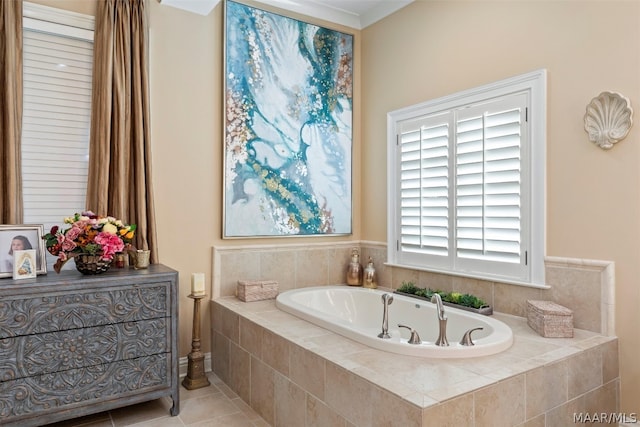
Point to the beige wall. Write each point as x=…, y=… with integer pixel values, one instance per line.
x=185, y=76
x=593, y=208
x=429, y=49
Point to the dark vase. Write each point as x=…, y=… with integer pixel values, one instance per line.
x=91, y=264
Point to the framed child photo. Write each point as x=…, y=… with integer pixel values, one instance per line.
x=21, y=237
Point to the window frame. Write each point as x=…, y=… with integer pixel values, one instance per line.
x=534, y=165
x=49, y=18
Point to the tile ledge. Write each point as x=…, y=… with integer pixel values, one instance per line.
x=551, y=261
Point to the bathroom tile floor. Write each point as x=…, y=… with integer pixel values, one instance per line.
x=213, y=406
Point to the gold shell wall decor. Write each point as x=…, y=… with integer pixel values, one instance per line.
x=608, y=119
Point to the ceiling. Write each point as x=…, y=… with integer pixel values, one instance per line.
x=356, y=14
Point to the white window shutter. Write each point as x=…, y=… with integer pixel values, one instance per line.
x=489, y=180
x=56, y=115
x=424, y=188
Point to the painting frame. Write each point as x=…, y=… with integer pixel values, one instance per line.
x=287, y=126
x=33, y=234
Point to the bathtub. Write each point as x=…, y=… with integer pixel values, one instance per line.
x=356, y=313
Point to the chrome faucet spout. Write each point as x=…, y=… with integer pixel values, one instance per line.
x=437, y=300
x=442, y=321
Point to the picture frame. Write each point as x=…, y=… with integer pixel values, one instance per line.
x=30, y=237
x=24, y=264
x=288, y=126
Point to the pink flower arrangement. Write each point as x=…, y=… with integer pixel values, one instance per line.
x=89, y=234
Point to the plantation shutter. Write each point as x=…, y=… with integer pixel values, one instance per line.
x=57, y=106
x=424, y=185
x=461, y=183
x=489, y=180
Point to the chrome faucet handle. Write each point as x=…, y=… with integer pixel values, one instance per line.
x=415, y=338
x=466, y=338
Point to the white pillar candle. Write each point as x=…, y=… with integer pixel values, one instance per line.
x=197, y=284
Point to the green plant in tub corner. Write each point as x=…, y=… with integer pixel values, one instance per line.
x=422, y=293
x=465, y=300
x=454, y=297
x=469, y=300
x=408, y=288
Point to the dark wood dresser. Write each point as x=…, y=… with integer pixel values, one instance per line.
x=72, y=345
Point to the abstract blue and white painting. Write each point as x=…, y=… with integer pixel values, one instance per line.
x=288, y=126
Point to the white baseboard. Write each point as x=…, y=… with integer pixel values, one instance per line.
x=184, y=363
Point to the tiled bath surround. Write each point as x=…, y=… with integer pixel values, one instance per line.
x=294, y=373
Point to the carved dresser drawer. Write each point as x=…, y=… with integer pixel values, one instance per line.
x=72, y=345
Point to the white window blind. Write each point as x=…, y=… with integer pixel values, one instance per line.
x=467, y=197
x=57, y=70
x=424, y=183
x=489, y=179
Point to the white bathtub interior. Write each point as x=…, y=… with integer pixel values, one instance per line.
x=357, y=313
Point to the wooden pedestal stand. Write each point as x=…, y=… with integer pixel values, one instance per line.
x=196, y=377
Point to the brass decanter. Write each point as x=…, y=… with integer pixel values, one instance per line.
x=354, y=273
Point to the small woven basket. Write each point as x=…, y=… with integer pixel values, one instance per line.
x=549, y=319
x=256, y=290
x=91, y=264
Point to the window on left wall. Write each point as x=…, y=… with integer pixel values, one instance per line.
x=57, y=79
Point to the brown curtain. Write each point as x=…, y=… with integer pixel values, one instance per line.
x=120, y=149
x=10, y=112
